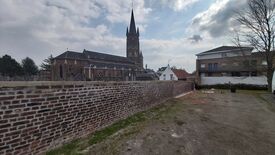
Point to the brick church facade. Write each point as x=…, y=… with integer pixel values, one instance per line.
x=94, y=66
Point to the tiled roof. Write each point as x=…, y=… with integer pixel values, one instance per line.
x=180, y=73
x=106, y=57
x=72, y=55
x=226, y=48
x=94, y=55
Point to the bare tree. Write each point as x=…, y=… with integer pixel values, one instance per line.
x=257, y=28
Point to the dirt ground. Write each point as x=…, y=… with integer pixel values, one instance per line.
x=207, y=123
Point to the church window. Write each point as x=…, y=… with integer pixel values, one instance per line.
x=61, y=71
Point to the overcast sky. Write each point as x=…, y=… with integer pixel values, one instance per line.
x=173, y=30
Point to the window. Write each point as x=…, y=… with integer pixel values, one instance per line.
x=61, y=71
x=215, y=66
x=264, y=62
x=202, y=65
x=171, y=77
x=210, y=67
x=164, y=76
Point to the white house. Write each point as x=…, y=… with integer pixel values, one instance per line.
x=168, y=74
x=173, y=74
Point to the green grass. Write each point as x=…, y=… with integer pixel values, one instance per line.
x=99, y=136
x=157, y=113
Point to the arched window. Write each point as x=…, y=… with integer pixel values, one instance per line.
x=61, y=71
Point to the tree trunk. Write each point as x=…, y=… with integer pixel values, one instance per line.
x=270, y=71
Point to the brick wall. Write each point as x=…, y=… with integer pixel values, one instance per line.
x=38, y=116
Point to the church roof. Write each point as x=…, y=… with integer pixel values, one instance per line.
x=71, y=55
x=106, y=57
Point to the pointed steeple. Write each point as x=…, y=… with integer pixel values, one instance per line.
x=132, y=24
x=138, y=31
x=127, y=31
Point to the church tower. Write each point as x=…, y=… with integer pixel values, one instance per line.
x=133, y=48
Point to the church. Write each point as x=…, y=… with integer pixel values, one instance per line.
x=95, y=66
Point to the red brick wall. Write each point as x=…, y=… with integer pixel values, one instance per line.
x=38, y=116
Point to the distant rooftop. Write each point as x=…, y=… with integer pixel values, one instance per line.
x=226, y=49
x=180, y=73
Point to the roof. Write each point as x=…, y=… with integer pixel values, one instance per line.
x=86, y=55
x=72, y=55
x=180, y=73
x=106, y=57
x=226, y=49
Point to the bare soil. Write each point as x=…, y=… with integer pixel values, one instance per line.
x=201, y=123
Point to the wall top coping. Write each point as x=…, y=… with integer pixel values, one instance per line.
x=9, y=84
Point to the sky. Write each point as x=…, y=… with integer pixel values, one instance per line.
x=171, y=31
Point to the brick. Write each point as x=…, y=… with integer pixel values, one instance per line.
x=17, y=106
x=10, y=116
x=28, y=113
x=43, y=110
x=32, y=96
x=20, y=123
x=4, y=126
x=52, y=98
x=3, y=98
x=33, y=104
x=38, y=100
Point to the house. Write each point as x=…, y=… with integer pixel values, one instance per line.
x=95, y=66
x=238, y=65
x=173, y=74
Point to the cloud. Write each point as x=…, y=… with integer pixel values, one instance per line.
x=195, y=38
x=176, y=5
x=40, y=28
x=218, y=20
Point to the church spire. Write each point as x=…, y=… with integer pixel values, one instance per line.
x=133, y=24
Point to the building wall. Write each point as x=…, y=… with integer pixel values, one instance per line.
x=166, y=75
x=38, y=116
x=77, y=70
x=70, y=69
x=242, y=66
x=258, y=80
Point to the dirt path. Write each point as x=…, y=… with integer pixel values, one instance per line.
x=199, y=123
